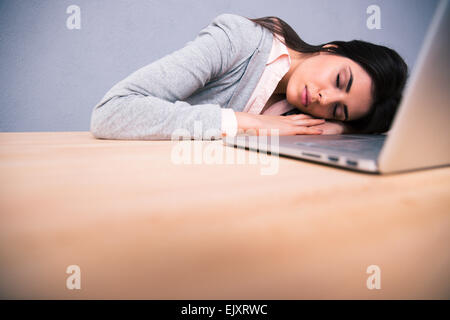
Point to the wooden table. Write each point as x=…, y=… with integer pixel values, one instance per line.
x=141, y=226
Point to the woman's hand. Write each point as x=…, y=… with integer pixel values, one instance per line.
x=259, y=124
x=332, y=127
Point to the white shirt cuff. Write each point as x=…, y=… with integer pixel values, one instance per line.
x=229, y=122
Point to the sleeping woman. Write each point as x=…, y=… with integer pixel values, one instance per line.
x=243, y=75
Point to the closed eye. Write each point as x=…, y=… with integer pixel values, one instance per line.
x=344, y=109
x=334, y=111
x=336, y=105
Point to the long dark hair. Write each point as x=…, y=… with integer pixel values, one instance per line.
x=386, y=68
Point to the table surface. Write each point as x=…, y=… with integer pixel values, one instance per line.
x=141, y=225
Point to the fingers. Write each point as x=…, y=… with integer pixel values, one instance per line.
x=309, y=122
x=299, y=116
x=309, y=130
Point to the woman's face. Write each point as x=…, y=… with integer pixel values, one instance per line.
x=330, y=87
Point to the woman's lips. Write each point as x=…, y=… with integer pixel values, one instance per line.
x=305, y=96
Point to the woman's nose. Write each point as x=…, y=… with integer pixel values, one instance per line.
x=325, y=98
x=321, y=98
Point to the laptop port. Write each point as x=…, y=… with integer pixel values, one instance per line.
x=333, y=158
x=352, y=163
x=313, y=155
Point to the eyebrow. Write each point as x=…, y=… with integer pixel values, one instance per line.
x=349, y=84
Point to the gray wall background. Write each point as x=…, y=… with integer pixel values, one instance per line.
x=52, y=77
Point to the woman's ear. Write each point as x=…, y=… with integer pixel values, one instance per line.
x=329, y=45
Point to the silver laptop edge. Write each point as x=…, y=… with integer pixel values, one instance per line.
x=286, y=146
x=419, y=136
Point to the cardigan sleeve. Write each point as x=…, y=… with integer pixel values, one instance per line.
x=229, y=123
x=149, y=105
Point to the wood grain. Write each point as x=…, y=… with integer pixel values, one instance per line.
x=143, y=227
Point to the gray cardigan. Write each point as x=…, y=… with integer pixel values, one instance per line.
x=220, y=68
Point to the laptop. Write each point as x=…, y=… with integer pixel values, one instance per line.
x=420, y=133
